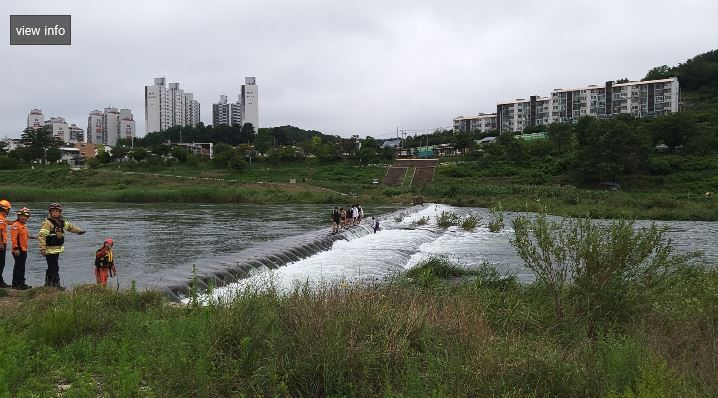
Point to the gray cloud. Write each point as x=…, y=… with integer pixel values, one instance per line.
x=341, y=67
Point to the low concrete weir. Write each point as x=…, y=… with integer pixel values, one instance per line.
x=269, y=255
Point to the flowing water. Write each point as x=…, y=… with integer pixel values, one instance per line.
x=157, y=244
x=401, y=245
x=155, y=240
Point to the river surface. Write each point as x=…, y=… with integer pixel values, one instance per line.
x=402, y=244
x=151, y=239
x=155, y=239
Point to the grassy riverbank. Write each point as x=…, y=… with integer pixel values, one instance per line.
x=636, y=320
x=486, y=337
x=486, y=183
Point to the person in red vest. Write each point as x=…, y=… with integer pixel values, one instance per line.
x=105, y=262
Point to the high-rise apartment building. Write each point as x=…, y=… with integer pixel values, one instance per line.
x=236, y=112
x=76, y=134
x=94, y=127
x=226, y=113
x=107, y=127
x=646, y=98
x=110, y=126
x=60, y=128
x=191, y=110
x=127, y=125
x=35, y=119
x=221, y=112
x=167, y=107
x=249, y=99
x=68, y=133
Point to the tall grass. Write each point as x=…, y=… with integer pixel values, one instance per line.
x=487, y=335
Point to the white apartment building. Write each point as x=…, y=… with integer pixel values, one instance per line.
x=60, y=128
x=226, y=113
x=106, y=127
x=483, y=123
x=35, y=119
x=236, y=111
x=94, y=128
x=168, y=107
x=646, y=98
x=127, y=126
x=191, y=110
x=157, y=112
x=249, y=99
x=222, y=112
x=110, y=126
x=77, y=134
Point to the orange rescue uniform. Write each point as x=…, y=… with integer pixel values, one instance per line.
x=104, y=265
x=19, y=236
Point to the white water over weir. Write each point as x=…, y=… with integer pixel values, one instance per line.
x=358, y=254
x=265, y=258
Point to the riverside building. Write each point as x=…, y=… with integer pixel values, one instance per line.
x=639, y=99
x=249, y=99
x=35, y=119
x=226, y=113
x=169, y=106
x=108, y=126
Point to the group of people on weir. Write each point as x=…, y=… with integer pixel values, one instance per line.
x=342, y=218
x=51, y=242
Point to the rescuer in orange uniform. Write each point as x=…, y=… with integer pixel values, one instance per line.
x=105, y=262
x=4, y=211
x=19, y=236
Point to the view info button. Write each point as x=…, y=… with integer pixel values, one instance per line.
x=40, y=30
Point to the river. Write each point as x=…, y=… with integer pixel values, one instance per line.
x=155, y=240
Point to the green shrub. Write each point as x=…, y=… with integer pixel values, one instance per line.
x=497, y=220
x=438, y=267
x=470, y=222
x=447, y=219
x=488, y=277
x=615, y=270
x=421, y=221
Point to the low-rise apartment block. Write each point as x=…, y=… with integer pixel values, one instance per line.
x=646, y=98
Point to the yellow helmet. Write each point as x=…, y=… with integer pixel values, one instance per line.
x=5, y=205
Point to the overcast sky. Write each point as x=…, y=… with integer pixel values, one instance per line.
x=341, y=67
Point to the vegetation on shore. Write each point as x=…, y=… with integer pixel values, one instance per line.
x=643, y=324
x=332, y=183
x=666, y=167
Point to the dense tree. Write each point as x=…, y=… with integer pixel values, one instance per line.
x=370, y=142
x=53, y=155
x=180, y=154
x=609, y=148
x=37, y=142
x=264, y=140
x=139, y=154
x=247, y=133
x=560, y=136
x=463, y=141
x=119, y=152
x=659, y=72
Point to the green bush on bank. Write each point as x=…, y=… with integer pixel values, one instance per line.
x=486, y=336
